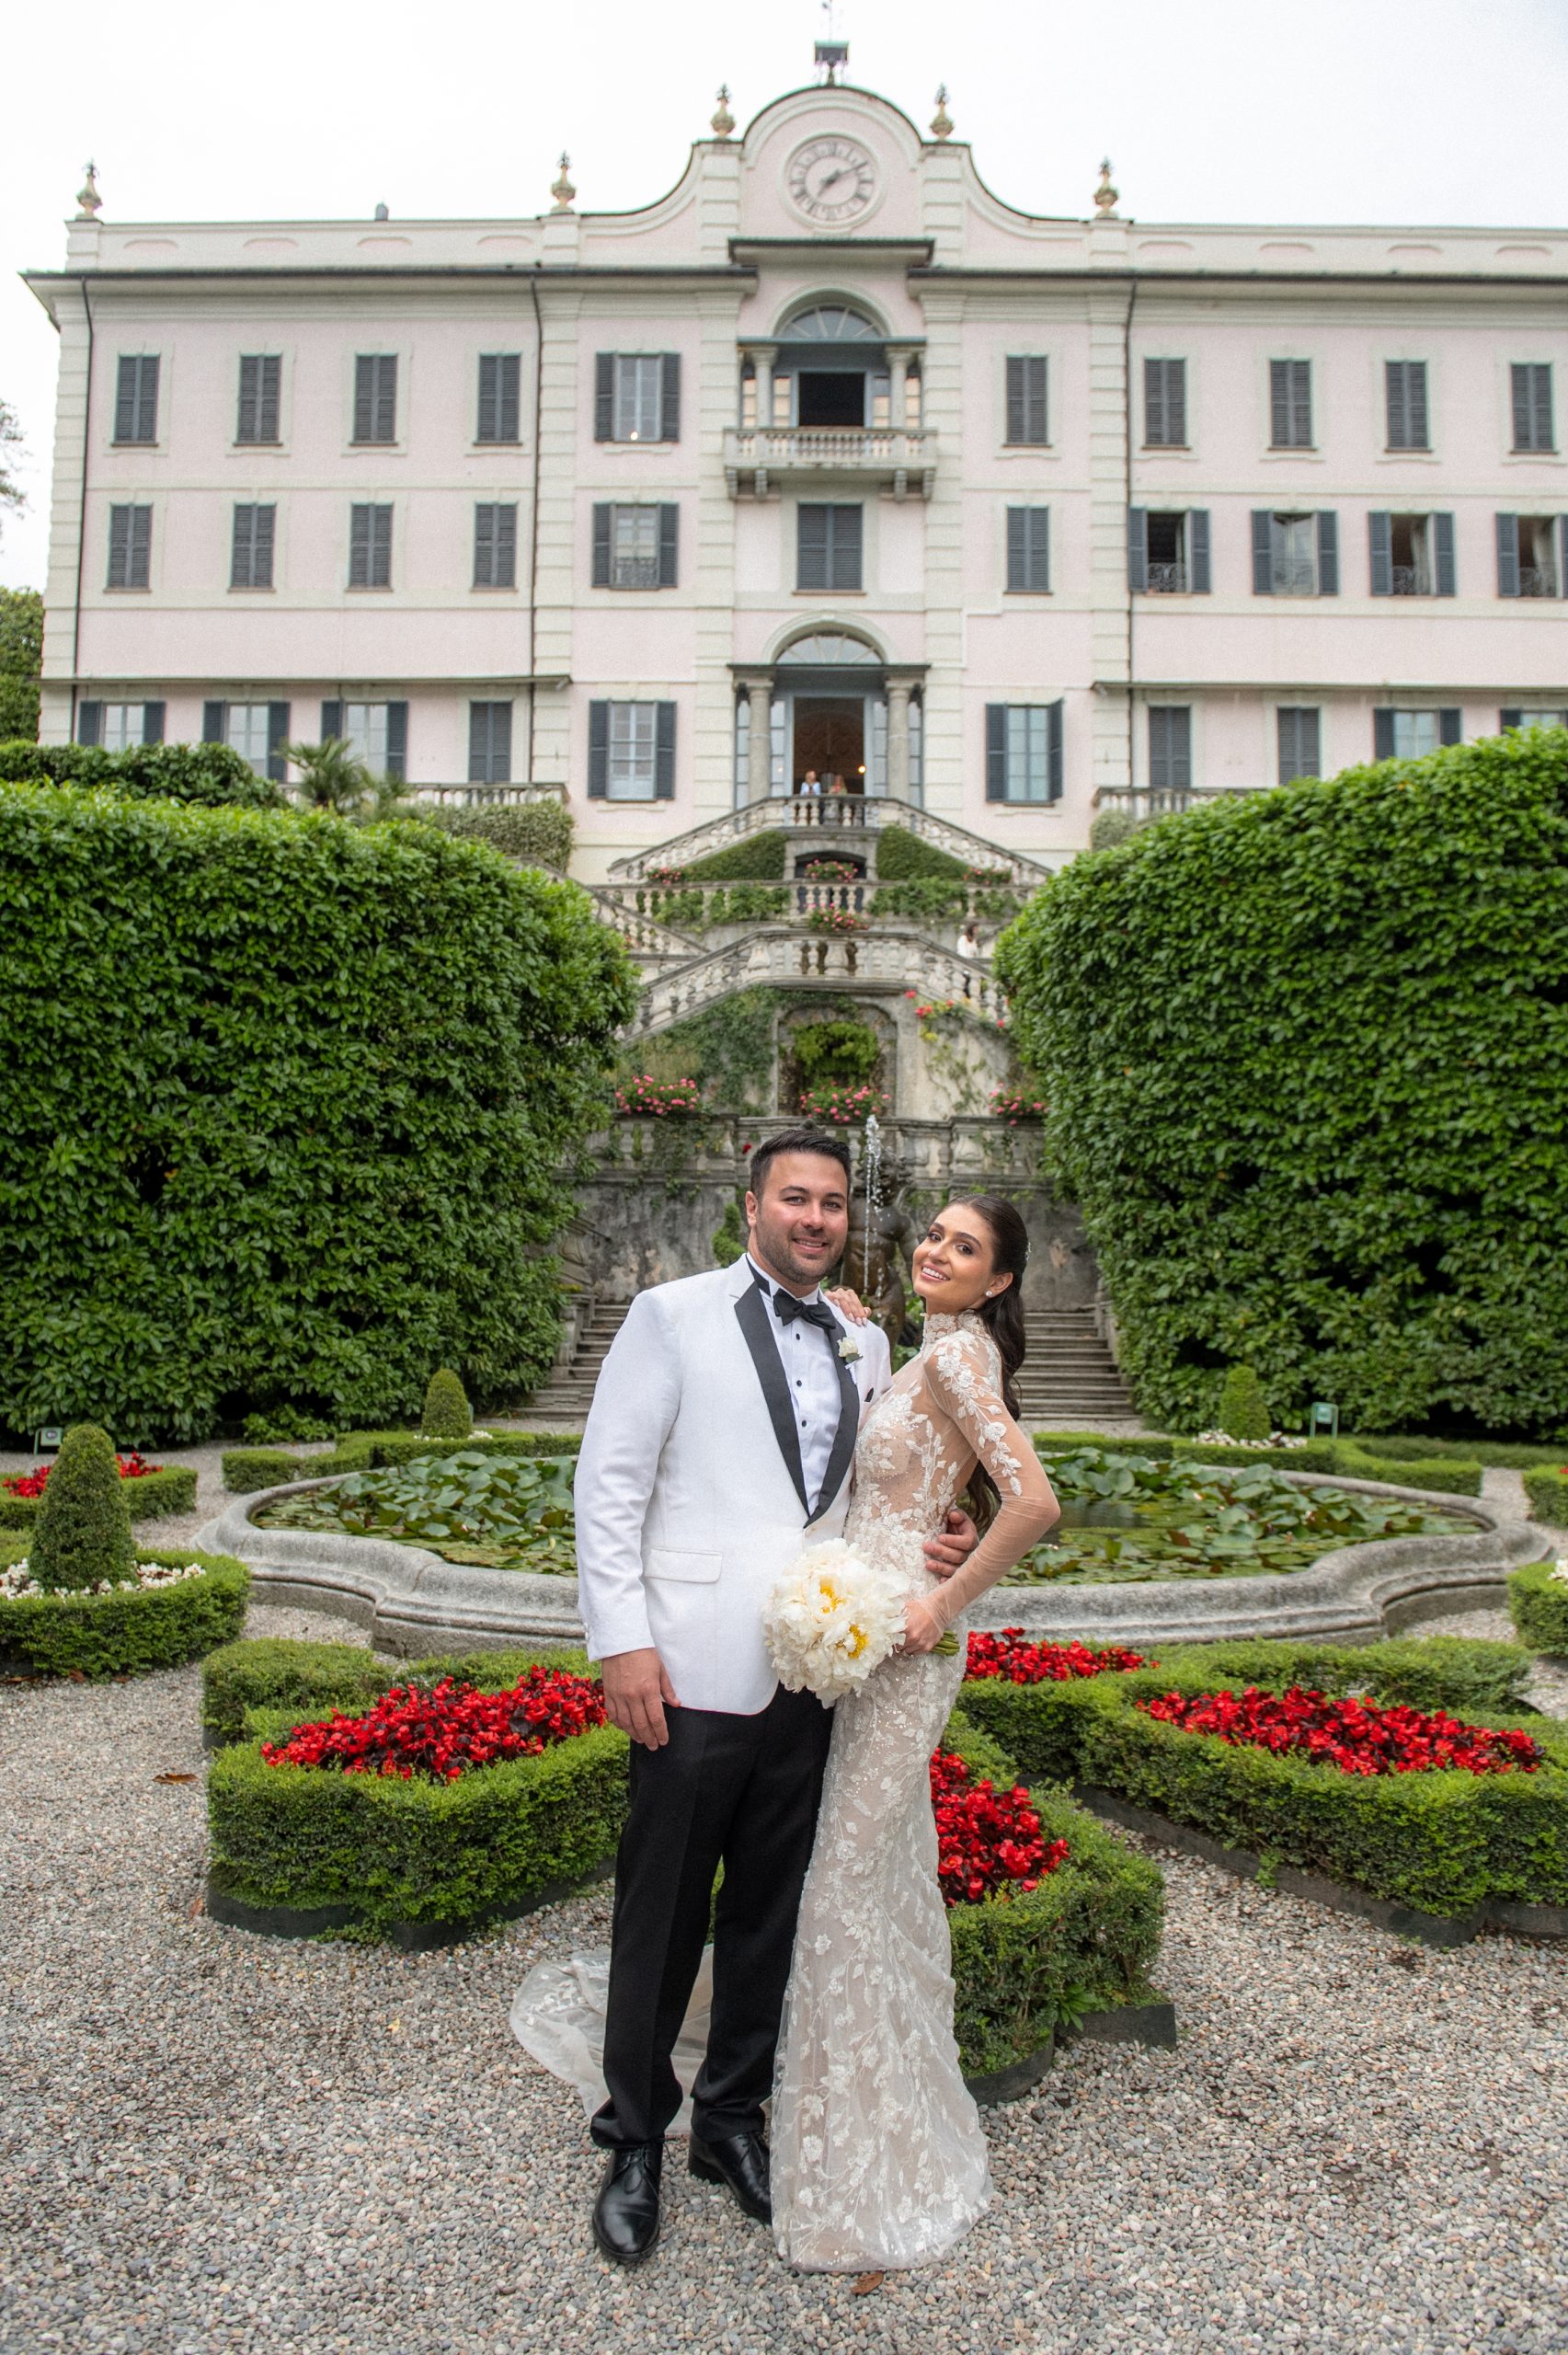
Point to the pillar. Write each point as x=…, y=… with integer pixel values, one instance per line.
x=759, y=739
x=898, y=740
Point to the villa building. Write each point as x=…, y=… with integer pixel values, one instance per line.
x=827, y=461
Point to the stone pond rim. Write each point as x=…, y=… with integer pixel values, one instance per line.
x=412, y=1603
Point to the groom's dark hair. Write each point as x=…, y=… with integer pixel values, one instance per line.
x=797, y=1141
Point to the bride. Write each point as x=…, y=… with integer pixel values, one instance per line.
x=878, y=2156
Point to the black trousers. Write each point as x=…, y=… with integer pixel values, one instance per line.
x=742, y=1792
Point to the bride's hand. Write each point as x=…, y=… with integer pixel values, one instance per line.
x=849, y=1303
x=922, y=1629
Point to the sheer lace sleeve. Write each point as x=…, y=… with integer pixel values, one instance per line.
x=965, y=1375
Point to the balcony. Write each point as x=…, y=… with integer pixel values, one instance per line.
x=901, y=459
x=1168, y=580
x=1538, y=581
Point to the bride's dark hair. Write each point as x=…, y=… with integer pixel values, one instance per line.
x=1002, y=1317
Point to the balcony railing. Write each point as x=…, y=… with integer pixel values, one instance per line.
x=1538, y=581
x=903, y=457
x=485, y=797
x=633, y=572
x=1295, y=577
x=1411, y=580
x=1167, y=579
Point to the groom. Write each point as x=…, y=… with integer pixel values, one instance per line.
x=718, y=1448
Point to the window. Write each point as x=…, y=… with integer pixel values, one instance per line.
x=1532, y=407
x=1528, y=554
x=1168, y=553
x=1410, y=735
x=376, y=733
x=634, y=547
x=260, y=381
x=1024, y=751
x=1300, y=753
x=1029, y=551
x=489, y=743
x=118, y=726
x=1520, y=718
x=1166, y=404
x=500, y=374
x=1170, y=748
x=827, y=547
x=495, y=546
x=136, y=399
x=375, y=396
x=1026, y=418
x=1413, y=556
x=1405, y=384
x=370, y=547
x=1295, y=556
x=250, y=565
x=637, y=397
x=631, y=751
x=130, y=546
x=257, y=732
x=1290, y=404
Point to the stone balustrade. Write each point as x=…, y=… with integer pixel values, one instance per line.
x=485, y=797
x=806, y=819
x=962, y=1150
x=892, y=958
x=760, y=457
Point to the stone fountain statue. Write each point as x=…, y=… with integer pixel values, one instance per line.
x=882, y=1236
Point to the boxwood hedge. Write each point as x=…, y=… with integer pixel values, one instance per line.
x=212, y=775
x=1538, y=1605
x=135, y=1629
x=1306, y=1057
x=275, y=1673
x=1547, y=1489
x=170, y=1489
x=246, y=1469
x=294, y=1117
x=1411, y=1468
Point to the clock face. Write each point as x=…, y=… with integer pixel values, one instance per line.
x=831, y=180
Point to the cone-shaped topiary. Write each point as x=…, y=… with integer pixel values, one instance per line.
x=1244, y=1410
x=82, y=1529
x=728, y=1236
x=447, y=1412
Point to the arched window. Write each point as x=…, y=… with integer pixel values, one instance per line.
x=826, y=647
x=830, y=323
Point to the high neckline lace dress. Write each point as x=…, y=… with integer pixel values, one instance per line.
x=878, y=2159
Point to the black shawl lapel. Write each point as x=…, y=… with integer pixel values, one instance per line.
x=754, y=1312
x=844, y=1438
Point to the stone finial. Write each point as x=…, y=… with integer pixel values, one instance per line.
x=1105, y=195
x=941, y=122
x=723, y=120
x=89, y=203
x=561, y=189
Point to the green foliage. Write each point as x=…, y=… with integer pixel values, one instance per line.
x=1400, y=1447
x=496, y=1511
x=1244, y=1410
x=1420, y=1464
x=1538, y=1605
x=130, y=1631
x=1450, y=1474
x=170, y=1489
x=904, y=857
x=1305, y=1054
x=728, y=1240
x=21, y=660
x=247, y=1469
x=756, y=858
x=82, y=1533
x=278, y=1426
x=936, y=900
x=537, y=832
x=309, y=1681
x=212, y=776
x=1110, y=827
x=829, y=1053
x=298, y=1115
x=1548, y=1494
x=728, y=1050
x=447, y=1413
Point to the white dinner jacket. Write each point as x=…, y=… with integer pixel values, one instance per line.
x=688, y=1505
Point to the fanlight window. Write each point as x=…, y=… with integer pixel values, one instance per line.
x=830, y=323
x=830, y=645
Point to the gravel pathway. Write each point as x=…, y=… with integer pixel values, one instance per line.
x=213, y=2141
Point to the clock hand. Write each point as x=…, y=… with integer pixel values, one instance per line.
x=825, y=185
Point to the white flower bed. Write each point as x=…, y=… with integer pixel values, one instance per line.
x=1559, y=1571
x=19, y=1585
x=1275, y=1439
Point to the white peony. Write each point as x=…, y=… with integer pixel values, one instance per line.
x=831, y=1619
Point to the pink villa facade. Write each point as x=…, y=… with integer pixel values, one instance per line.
x=827, y=459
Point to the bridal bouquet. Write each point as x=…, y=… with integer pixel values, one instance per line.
x=833, y=1618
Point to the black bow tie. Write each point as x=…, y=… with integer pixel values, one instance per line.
x=786, y=1308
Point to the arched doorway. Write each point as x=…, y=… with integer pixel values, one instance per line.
x=835, y=713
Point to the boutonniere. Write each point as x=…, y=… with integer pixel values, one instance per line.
x=849, y=1349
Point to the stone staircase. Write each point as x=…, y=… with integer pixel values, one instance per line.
x=1070, y=1378
x=570, y=1391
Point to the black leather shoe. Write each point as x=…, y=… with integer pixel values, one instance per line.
x=741, y=2160
x=626, y=2215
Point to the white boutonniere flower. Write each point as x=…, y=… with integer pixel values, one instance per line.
x=849, y=1349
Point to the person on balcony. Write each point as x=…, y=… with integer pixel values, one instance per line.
x=809, y=794
x=968, y=941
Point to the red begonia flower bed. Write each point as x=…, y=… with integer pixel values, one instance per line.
x=988, y=1841
x=443, y=1731
x=1016, y=1660
x=33, y=1483
x=1355, y=1735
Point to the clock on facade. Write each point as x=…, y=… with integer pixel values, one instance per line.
x=831, y=180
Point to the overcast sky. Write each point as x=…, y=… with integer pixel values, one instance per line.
x=1397, y=112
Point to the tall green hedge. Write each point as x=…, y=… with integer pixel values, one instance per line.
x=537, y=832
x=1306, y=1053
x=755, y=858
x=293, y=1112
x=214, y=775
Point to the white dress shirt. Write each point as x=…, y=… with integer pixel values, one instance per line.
x=809, y=1358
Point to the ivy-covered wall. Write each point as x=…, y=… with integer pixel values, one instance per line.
x=1305, y=1054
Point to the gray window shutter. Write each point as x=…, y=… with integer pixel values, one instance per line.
x=1523, y=417
x=604, y=396
x=506, y=547
x=1546, y=438
x=212, y=730
x=271, y=387
x=1443, y=536
x=669, y=400
x=508, y=421
x=845, y=565
x=153, y=717
x=664, y=764
x=358, y=547
x=276, y=737
x=811, y=547
x=1416, y=404
x=1040, y=551
x=1017, y=548
x=262, y=536
x=500, y=744
x=1280, y=403
x=140, y=547
x=484, y=546
x=1197, y=549
x=1154, y=431
x=1506, y=718
x=248, y=420
x=601, y=544
x=331, y=720
x=597, y=750
x=1450, y=726
x=1176, y=403
x=996, y=749
x=1263, y=552
x=1016, y=431
x=125, y=400
x=1382, y=735
x=1507, y=556
x=485, y=431
x=1563, y=555
x=386, y=397
x=397, y=740
x=479, y=742
x=1395, y=385
x=669, y=544
x=380, y=549
x=1379, y=536
x=119, y=547
x=364, y=398
x=89, y=722
x=1328, y=552
x=1138, y=547
x=1053, y=751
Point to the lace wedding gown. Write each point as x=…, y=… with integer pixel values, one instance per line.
x=878, y=2159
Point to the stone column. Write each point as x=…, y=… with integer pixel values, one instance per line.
x=898, y=740
x=898, y=357
x=762, y=356
x=759, y=739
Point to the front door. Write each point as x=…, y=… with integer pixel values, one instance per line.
x=830, y=736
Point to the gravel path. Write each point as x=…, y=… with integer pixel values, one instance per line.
x=213, y=2141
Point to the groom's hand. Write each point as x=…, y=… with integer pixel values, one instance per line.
x=636, y=1691
x=953, y=1544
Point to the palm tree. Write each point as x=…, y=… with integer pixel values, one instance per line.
x=389, y=798
x=332, y=776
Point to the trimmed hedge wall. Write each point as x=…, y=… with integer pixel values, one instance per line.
x=1305, y=1059
x=1548, y=1494
x=1538, y=1605
x=169, y=1490
x=277, y=1674
x=127, y=1633
x=755, y=858
x=1451, y=1475
x=904, y=857
x=247, y=1469
x=213, y=776
x=315, y=1085
x=537, y=832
